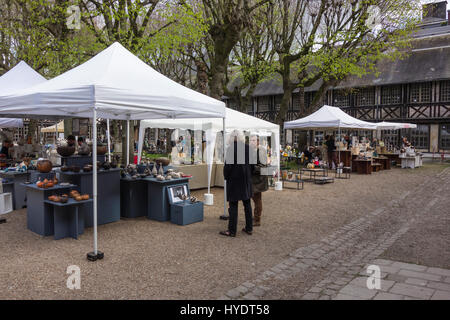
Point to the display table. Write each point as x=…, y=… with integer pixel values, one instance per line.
x=108, y=194
x=80, y=161
x=186, y=212
x=133, y=198
x=68, y=221
x=36, y=175
x=158, y=206
x=313, y=173
x=199, y=173
x=362, y=166
x=411, y=161
x=384, y=161
x=39, y=213
x=346, y=157
x=391, y=156
x=18, y=189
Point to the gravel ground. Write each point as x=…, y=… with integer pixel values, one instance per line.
x=145, y=259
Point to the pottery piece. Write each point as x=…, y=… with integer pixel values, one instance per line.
x=162, y=160
x=65, y=151
x=44, y=166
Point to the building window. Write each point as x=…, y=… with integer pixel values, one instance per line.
x=420, y=92
x=277, y=102
x=318, y=138
x=444, y=91
x=391, y=94
x=420, y=136
x=390, y=138
x=263, y=103
x=365, y=97
x=444, y=137
x=341, y=99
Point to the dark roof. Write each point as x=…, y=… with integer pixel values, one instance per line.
x=429, y=60
x=427, y=32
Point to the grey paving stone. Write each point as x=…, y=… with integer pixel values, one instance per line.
x=412, y=291
x=329, y=292
x=233, y=293
x=447, y=280
x=224, y=298
x=242, y=289
x=396, y=277
x=258, y=292
x=310, y=296
x=362, y=282
x=388, y=296
x=324, y=297
x=342, y=296
x=417, y=282
x=439, y=285
x=250, y=296
x=419, y=275
x=358, y=291
x=441, y=295
x=439, y=271
x=409, y=266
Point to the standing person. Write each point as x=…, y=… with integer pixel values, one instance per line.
x=330, y=151
x=237, y=172
x=260, y=182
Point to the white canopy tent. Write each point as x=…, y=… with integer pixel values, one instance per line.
x=235, y=120
x=11, y=123
x=113, y=84
x=394, y=125
x=329, y=117
x=58, y=127
x=20, y=77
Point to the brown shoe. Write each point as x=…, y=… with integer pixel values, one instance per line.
x=257, y=224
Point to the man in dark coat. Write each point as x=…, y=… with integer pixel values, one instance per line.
x=260, y=182
x=237, y=172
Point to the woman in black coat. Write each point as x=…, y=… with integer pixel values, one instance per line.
x=237, y=172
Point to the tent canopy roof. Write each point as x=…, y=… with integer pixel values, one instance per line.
x=20, y=77
x=394, y=125
x=118, y=85
x=329, y=117
x=235, y=120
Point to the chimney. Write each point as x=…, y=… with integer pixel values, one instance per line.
x=435, y=10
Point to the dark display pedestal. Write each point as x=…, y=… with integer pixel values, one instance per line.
x=158, y=206
x=80, y=161
x=108, y=194
x=19, y=191
x=363, y=166
x=186, y=212
x=39, y=213
x=68, y=221
x=133, y=198
x=36, y=175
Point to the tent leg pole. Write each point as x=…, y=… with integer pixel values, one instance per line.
x=225, y=213
x=128, y=142
x=95, y=255
x=108, y=136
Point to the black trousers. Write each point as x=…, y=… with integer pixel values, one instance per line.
x=233, y=211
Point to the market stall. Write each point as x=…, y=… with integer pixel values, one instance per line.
x=235, y=121
x=328, y=117
x=114, y=84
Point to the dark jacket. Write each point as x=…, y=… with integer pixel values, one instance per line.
x=238, y=176
x=330, y=145
x=260, y=182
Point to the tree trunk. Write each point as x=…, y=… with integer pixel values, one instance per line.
x=217, y=79
x=202, y=77
x=67, y=127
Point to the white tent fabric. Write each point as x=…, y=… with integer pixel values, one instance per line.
x=118, y=85
x=20, y=77
x=329, y=117
x=52, y=129
x=235, y=121
x=394, y=125
x=113, y=84
x=11, y=123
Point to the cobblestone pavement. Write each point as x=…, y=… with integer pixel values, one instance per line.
x=335, y=267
